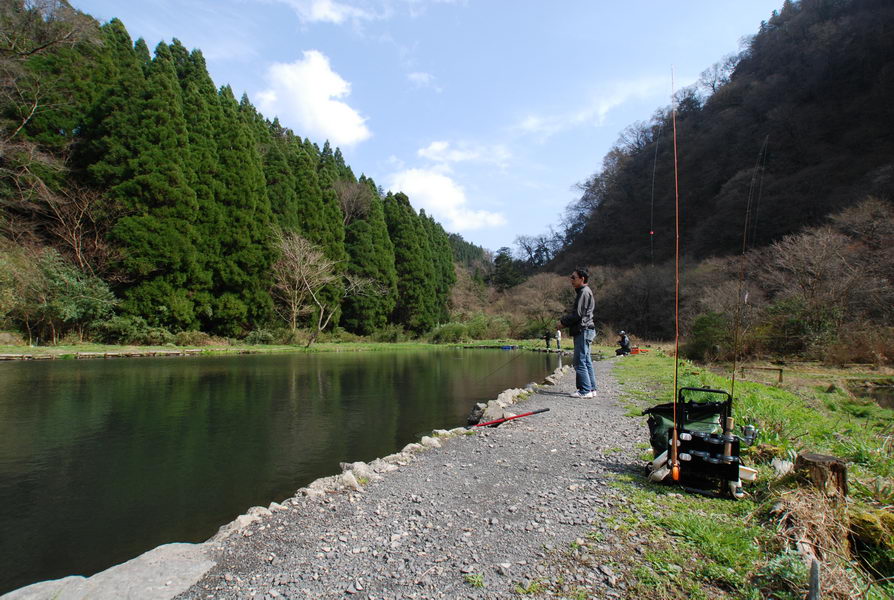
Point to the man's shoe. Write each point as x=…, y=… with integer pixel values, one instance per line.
x=591, y=394
x=577, y=394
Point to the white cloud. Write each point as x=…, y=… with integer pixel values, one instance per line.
x=595, y=112
x=306, y=95
x=443, y=199
x=424, y=80
x=326, y=11
x=443, y=152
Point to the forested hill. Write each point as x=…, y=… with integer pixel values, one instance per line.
x=135, y=192
x=801, y=122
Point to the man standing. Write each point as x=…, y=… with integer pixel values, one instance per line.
x=579, y=321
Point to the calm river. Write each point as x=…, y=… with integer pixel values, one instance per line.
x=101, y=460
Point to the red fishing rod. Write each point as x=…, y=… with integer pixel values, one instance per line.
x=498, y=422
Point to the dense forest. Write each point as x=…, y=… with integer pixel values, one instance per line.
x=138, y=200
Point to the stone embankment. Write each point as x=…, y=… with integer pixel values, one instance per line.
x=482, y=513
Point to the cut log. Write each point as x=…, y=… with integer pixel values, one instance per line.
x=827, y=473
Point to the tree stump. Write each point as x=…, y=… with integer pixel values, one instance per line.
x=827, y=473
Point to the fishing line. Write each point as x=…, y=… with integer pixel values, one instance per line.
x=741, y=295
x=675, y=464
x=500, y=367
x=652, y=202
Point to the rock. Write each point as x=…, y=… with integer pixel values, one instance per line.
x=410, y=448
x=430, y=442
x=348, y=481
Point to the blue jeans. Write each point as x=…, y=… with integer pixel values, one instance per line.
x=583, y=362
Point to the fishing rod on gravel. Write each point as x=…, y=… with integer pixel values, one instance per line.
x=498, y=422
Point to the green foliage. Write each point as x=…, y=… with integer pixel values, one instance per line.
x=450, y=333
x=371, y=255
x=391, y=333
x=259, y=336
x=506, y=273
x=129, y=329
x=185, y=185
x=710, y=334
x=415, y=308
x=193, y=338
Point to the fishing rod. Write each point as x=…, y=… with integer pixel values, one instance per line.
x=498, y=422
x=675, y=463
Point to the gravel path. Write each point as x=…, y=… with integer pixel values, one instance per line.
x=497, y=508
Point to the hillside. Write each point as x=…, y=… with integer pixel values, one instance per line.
x=799, y=123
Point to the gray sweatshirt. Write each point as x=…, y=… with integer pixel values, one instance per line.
x=580, y=315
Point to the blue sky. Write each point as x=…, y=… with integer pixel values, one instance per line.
x=486, y=113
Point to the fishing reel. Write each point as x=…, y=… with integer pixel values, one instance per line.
x=749, y=434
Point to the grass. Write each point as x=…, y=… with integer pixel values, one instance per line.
x=476, y=580
x=708, y=548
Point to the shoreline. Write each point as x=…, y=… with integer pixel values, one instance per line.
x=170, y=569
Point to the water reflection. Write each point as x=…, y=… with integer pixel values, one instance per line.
x=102, y=460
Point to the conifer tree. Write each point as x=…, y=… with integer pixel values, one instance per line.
x=442, y=261
x=414, y=273
x=202, y=110
x=242, y=281
x=371, y=255
x=281, y=182
x=159, y=236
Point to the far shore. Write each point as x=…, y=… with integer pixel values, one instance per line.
x=89, y=350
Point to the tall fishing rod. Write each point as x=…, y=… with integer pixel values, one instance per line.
x=675, y=463
x=741, y=295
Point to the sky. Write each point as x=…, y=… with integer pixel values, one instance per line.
x=486, y=113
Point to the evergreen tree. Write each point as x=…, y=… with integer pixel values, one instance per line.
x=414, y=273
x=242, y=279
x=371, y=255
x=442, y=261
x=158, y=236
x=202, y=110
x=281, y=181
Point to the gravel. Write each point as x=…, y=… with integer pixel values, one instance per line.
x=481, y=516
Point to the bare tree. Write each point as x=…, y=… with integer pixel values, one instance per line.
x=77, y=217
x=300, y=275
x=355, y=198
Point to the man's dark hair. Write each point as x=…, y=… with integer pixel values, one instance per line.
x=582, y=273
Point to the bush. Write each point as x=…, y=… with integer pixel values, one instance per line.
x=450, y=333
x=259, y=336
x=132, y=330
x=709, y=337
x=192, y=338
x=390, y=334
x=339, y=335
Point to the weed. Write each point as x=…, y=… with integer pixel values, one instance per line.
x=475, y=580
x=534, y=587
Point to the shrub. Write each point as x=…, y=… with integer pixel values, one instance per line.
x=132, y=330
x=450, y=333
x=390, y=334
x=259, y=336
x=709, y=338
x=192, y=338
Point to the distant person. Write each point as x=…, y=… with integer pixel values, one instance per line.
x=579, y=322
x=558, y=339
x=624, y=343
